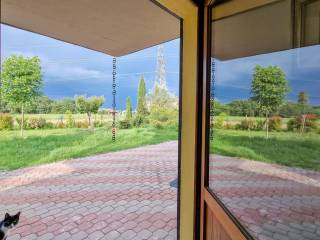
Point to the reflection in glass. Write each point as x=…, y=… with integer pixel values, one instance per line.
x=265, y=132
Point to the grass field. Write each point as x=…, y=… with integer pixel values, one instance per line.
x=286, y=148
x=44, y=146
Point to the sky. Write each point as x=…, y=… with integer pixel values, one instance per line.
x=301, y=66
x=70, y=70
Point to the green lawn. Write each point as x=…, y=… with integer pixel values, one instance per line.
x=44, y=146
x=290, y=149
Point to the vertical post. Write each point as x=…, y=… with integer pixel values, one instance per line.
x=114, y=91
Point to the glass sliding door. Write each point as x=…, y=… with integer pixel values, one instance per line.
x=263, y=128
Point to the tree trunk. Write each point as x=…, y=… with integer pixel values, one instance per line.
x=22, y=121
x=89, y=118
x=303, y=124
x=267, y=125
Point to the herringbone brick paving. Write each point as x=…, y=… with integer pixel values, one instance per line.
x=120, y=195
x=273, y=202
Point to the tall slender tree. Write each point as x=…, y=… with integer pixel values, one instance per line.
x=303, y=98
x=141, y=103
x=128, y=109
x=269, y=88
x=21, y=81
x=303, y=102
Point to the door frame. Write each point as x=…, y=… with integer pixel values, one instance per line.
x=187, y=11
x=226, y=226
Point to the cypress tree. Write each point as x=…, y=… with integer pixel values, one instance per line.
x=129, y=109
x=141, y=104
x=303, y=98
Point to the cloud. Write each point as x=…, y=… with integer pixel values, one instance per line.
x=293, y=62
x=56, y=70
x=61, y=72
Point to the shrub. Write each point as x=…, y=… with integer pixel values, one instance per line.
x=138, y=121
x=82, y=124
x=98, y=124
x=37, y=123
x=303, y=123
x=158, y=124
x=108, y=124
x=124, y=124
x=228, y=126
x=70, y=120
x=6, y=121
x=49, y=125
x=292, y=124
x=260, y=125
x=246, y=124
x=275, y=123
x=219, y=121
x=60, y=124
x=174, y=123
x=165, y=115
x=18, y=120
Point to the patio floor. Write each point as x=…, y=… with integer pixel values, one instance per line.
x=120, y=195
x=274, y=202
x=127, y=195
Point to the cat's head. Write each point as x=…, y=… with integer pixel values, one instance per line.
x=11, y=221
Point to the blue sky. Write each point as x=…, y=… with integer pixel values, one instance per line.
x=302, y=68
x=72, y=70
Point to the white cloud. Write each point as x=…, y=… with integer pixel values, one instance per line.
x=294, y=61
x=59, y=70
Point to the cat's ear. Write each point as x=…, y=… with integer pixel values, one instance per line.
x=7, y=215
x=18, y=214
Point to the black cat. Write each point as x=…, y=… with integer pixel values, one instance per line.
x=8, y=223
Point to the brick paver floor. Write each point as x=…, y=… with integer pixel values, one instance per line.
x=127, y=195
x=120, y=195
x=274, y=202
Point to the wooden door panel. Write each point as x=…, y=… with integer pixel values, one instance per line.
x=214, y=229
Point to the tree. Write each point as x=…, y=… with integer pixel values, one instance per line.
x=163, y=105
x=289, y=109
x=162, y=98
x=303, y=98
x=128, y=109
x=141, y=103
x=243, y=108
x=269, y=89
x=89, y=105
x=21, y=81
x=303, y=102
x=41, y=104
x=3, y=107
x=217, y=107
x=64, y=105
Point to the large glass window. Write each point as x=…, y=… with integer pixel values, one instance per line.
x=264, y=162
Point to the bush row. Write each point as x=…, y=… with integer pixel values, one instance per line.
x=303, y=123
x=7, y=122
x=139, y=121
